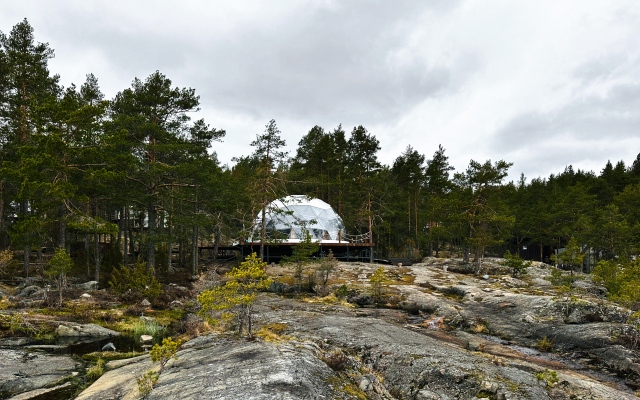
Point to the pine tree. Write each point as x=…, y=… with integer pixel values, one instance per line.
x=269, y=155
x=26, y=90
x=151, y=125
x=237, y=296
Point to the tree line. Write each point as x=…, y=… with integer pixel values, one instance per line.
x=114, y=180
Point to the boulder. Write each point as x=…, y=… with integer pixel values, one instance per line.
x=109, y=347
x=146, y=338
x=540, y=282
x=28, y=291
x=281, y=287
x=91, y=285
x=87, y=330
x=618, y=358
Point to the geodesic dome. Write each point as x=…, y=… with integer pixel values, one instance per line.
x=287, y=219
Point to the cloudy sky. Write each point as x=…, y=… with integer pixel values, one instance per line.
x=543, y=84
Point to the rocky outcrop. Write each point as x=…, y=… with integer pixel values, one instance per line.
x=521, y=312
x=23, y=371
x=120, y=381
x=211, y=367
x=91, y=285
x=445, y=336
x=28, y=291
x=86, y=330
x=417, y=365
x=335, y=352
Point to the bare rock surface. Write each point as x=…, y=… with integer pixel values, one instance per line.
x=248, y=370
x=84, y=330
x=219, y=368
x=24, y=370
x=444, y=331
x=120, y=381
x=387, y=358
x=417, y=363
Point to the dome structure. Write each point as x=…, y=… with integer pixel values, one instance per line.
x=288, y=218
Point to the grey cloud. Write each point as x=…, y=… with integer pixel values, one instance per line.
x=580, y=131
x=325, y=63
x=613, y=116
x=328, y=62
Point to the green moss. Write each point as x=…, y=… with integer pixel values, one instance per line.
x=344, y=385
x=109, y=355
x=95, y=371
x=166, y=317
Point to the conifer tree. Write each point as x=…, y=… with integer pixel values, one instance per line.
x=269, y=156
x=26, y=88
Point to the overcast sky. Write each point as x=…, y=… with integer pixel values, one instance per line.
x=542, y=84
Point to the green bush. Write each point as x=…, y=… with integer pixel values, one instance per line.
x=163, y=353
x=342, y=292
x=237, y=296
x=516, y=263
x=622, y=279
x=544, y=344
x=137, y=279
x=378, y=282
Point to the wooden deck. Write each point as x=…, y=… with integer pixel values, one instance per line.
x=274, y=252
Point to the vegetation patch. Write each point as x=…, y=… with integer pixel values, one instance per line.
x=274, y=332
x=148, y=326
x=146, y=382
x=549, y=377
x=545, y=344
x=336, y=360
x=479, y=326
x=109, y=355
x=136, y=281
x=343, y=384
x=95, y=371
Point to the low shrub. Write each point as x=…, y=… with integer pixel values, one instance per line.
x=545, y=344
x=164, y=352
x=146, y=383
x=137, y=280
x=550, y=377
x=336, y=360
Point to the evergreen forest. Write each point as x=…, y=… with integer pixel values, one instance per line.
x=138, y=175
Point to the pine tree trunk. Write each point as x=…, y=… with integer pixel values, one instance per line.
x=125, y=239
x=62, y=232
x=151, y=231
x=194, y=251
x=263, y=228
x=169, y=247
x=25, y=259
x=96, y=254
x=2, y=231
